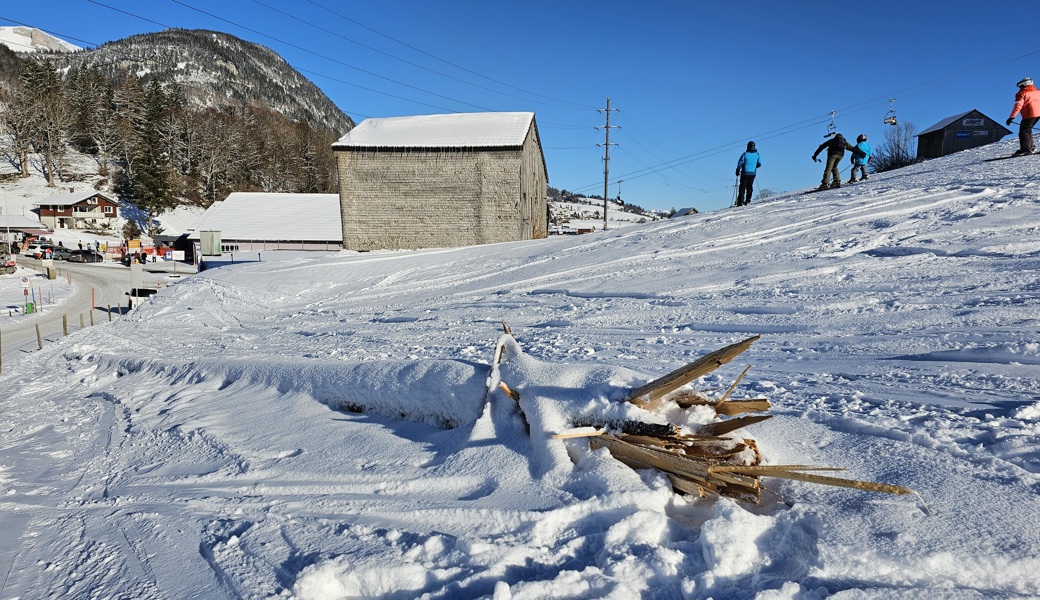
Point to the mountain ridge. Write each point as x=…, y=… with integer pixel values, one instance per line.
x=216, y=70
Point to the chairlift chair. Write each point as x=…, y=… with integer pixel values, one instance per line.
x=890, y=117
x=832, y=128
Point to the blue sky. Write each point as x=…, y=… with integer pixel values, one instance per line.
x=692, y=81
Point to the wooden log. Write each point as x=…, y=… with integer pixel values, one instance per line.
x=683, y=375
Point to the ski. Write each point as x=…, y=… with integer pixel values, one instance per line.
x=1011, y=156
x=814, y=190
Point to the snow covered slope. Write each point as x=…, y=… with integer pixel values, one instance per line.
x=30, y=39
x=204, y=446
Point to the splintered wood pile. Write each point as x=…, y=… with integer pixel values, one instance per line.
x=711, y=460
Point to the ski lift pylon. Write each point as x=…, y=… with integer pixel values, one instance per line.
x=832, y=128
x=890, y=116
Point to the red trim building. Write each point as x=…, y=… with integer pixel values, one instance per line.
x=78, y=210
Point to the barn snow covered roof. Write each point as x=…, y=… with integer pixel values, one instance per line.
x=460, y=130
x=261, y=216
x=942, y=124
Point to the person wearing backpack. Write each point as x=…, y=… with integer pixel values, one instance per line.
x=836, y=147
x=747, y=166
x=860, y=158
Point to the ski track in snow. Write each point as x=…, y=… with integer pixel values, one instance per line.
x=316, y=427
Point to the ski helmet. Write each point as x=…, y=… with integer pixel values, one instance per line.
x=1025, y=81
x=862, y=137
x=751, y=145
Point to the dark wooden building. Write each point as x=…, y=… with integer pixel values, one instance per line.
x=78, y=210
x=959, y=132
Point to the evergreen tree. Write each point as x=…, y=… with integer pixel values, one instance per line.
x=51, y=117
x=151, y=180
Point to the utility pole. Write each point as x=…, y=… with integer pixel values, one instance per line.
x=606, y=159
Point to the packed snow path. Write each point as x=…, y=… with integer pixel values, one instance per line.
x=203, y=446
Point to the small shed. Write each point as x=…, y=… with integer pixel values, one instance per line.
x=959, y=132
x=439, y=181
x=251, y=221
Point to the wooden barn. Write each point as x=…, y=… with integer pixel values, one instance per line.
x=959, y=132
x=438, y=181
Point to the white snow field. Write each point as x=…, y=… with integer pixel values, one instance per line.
x=315, y=426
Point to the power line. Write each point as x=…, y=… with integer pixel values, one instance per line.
x=55, y=34
x=329, y=58
x=447, y=62
x=387, y=54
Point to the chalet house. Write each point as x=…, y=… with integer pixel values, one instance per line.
x=959, y=132
x=251, y=221
x=77, y=210
x=437, y=181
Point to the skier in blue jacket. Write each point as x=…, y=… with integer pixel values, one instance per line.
x=860, y=158
x=747, y=166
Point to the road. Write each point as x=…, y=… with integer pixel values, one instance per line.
x=107, y=283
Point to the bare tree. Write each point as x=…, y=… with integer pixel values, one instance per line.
x=764, y=193
x=18, y=122
x=898, y=150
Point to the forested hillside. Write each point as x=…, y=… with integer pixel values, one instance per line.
x=160, y=143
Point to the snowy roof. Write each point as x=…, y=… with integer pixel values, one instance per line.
x=19, y=222
x=942, y=124
x=460, y=130
x=276, y=217
x=71, y=198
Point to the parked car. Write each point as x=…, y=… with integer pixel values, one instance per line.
x=35, y=249
x=139, y=295
x=60, y=253
x=85, y=256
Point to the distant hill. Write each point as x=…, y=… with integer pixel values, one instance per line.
x=30, y=39
x=216, y=70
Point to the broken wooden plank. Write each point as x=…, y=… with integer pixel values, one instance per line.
x=664, y=461
x=686, y=399
x=779, y=472
x=578, y=432
x=509, y=391
x=683, y=375
x=724, y=427
x=735, y=407
x=735, y=384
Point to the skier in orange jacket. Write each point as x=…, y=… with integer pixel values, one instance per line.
x=1027, y=101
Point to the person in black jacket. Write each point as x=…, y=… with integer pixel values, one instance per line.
x=836, y=147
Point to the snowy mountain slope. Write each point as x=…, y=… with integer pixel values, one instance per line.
x=218, y=70
x=30, y=39
x=205, y=445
